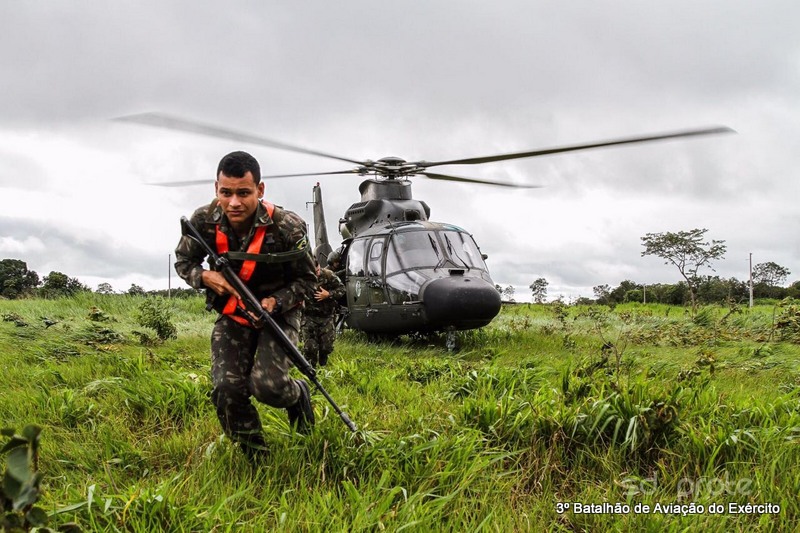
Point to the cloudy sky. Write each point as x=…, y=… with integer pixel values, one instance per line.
x=430, y=80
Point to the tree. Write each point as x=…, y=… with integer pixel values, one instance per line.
x=770, y=274
x=508, y=293
x=105, y=288
x=15, y=278
x=136, y=290
x=688, y=251
x=602, y=294
x=618, y=295
x=539, y=290
x=59, y=284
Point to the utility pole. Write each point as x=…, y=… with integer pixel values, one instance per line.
x=751, y=279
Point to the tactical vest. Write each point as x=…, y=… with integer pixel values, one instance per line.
x=234, y=307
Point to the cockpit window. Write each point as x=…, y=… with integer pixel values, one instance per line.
x=462, y=249
x=355, y=257
x=375, y=257
x=412, y=249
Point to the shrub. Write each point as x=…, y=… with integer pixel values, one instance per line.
x=154, y=313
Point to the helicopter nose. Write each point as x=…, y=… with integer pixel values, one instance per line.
x=461, y=302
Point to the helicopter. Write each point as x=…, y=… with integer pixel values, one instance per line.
x=403, y=273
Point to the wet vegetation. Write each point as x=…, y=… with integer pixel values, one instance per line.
x=549, y=407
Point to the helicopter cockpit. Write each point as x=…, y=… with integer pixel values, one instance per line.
x=400, y=267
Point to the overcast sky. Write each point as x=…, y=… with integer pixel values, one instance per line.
x=421, y=80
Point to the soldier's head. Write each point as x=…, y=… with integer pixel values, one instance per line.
x=334, y=260
x=237, y=164
x=239, y=187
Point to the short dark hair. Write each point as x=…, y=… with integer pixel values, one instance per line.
x=237, y=164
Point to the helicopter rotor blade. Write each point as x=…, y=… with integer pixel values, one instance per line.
x=161, y=120
x=548, y=151
x=189, y=183
x=447, y=177
x=351, y=171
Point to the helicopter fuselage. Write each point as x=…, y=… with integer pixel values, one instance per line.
x=417, y=276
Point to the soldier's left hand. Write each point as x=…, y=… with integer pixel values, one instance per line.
x=321, y=295
x=269, y=304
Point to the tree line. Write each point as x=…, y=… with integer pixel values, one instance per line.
x=689, y=251
x=17, y=281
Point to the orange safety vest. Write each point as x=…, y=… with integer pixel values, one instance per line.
x=248, y=267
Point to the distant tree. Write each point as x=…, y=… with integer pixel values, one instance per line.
x=105, y=288
x=794, y=290
x=633, y=295
x=15, y=279
x=539, y=290
x=136, y=290
x=602, y=294
x=508, y=293
x=770, y=274
x=58, y=284
x=619, y=294
x=176, y=293
x=688, y=251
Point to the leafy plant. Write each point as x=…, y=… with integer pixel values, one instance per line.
x=98, y=315
x=788, y=321
x=154, y=313
x=21, y=483
x=20, y=489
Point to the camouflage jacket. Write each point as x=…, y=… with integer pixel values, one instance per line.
x=288, y=280
x=325, y=308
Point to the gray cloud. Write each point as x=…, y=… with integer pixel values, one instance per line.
x=75, y=255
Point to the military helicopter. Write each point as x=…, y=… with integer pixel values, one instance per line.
x=403, y=272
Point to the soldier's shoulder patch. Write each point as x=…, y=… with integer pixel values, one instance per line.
x=302, y=243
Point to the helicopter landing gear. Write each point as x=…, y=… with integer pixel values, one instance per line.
x=450, y=340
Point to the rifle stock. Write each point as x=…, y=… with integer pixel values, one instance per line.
x=259, y=317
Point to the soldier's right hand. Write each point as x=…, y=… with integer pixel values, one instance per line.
x=217, y=283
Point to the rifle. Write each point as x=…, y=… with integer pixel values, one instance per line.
x=259, y=317
x=342, y=313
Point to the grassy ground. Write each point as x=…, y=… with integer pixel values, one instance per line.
x=545, y=412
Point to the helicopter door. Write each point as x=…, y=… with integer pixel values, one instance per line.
x=375, y=285
x=356, y=283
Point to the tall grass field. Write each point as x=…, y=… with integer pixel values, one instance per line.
x=552, y=418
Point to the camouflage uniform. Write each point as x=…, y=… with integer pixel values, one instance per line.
x=244, y=361
x=318, y=330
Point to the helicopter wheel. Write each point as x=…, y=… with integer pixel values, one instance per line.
x=451, y=340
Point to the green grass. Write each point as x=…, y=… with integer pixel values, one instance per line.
x=532, y=411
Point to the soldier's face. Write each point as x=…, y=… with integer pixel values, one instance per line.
x=238, y=197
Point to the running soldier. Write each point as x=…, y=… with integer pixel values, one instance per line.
x=268, y=246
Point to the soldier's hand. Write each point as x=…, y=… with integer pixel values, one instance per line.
x=269, y=304
x=321, y=294
x=217, y=283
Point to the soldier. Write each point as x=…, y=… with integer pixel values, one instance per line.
x=335, y=263
x=319, y=329
x=267, y=245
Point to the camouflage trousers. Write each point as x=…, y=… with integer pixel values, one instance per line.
x=247, y=362
x=318, y=334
